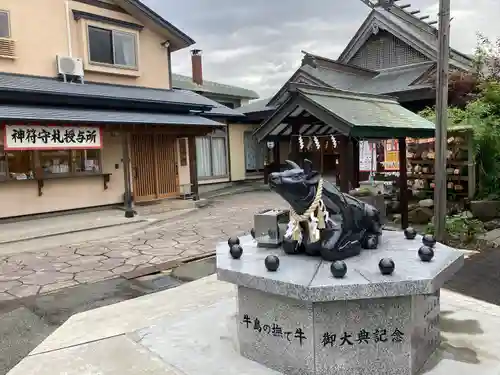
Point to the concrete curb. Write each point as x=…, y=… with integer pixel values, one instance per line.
x=151, y=220
x=166, y=266
x=219, y=194
x=155, y=221
x=59, y=233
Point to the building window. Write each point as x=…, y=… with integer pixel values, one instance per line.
x=70, y=161
x=16, y=165
x=112, y=47
x=211, y=155
x=254, y=154
x=4, y=24
x=21, y=165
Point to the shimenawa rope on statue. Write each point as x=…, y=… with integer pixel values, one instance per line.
x=316, y=216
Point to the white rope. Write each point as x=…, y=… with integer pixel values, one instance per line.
x=334, y=141
x=315, y=222
x=316, y=142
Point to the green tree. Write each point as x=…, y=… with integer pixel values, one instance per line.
x=476, y=102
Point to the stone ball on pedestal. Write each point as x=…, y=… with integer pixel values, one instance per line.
x=429, y=240
x=386, y=266
x=425, y=253
x=338, y=269
x=236, y=251
x=410, y=233
x=233, y=241
x=272, y=263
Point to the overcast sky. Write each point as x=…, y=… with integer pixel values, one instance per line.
x=256, y=43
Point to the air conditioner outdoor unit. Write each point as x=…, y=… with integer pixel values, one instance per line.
x=69, y=66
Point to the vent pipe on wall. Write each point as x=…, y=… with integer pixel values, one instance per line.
x=68, y=29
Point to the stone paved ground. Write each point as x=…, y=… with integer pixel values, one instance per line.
x=192, y=235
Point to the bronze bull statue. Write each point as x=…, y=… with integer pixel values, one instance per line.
x=324, y=221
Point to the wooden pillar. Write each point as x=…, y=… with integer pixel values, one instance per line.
x=276, y=156
x=127, y=175
x=403, y=183
x=350, y=163
x=322, y=157
x=295, y=152
x=342, y=143
x=380, y=155
x=193, y=170
x=267, y=164
x=471, y=167
x=355, y=163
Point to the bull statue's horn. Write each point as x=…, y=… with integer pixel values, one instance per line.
x=292, y=164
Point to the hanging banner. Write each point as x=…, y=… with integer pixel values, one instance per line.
x=367, y=156
x=391, y=155
x=34, y=137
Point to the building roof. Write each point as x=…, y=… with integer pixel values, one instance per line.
x=394, y=80
x=218, y=110
x=137, y=8
x=86, y=116
x=335, y=78
x=343, y=77
x=45, y=85
x=133, y=94
x=367, y=111
x=336, y=111
x=255, y=106
x=406, y=27
x=300, y=76
x=210, y=87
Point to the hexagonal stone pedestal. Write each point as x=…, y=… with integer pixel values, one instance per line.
x=301, y=320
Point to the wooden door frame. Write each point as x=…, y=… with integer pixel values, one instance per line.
x=175, y=193
x=134, y=165
x=155, y=169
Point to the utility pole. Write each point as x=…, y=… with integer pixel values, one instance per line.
x=440, y=195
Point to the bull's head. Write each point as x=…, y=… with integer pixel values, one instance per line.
x=296, y=185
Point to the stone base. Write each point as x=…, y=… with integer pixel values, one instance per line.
x=301, y=320
x=393, y=335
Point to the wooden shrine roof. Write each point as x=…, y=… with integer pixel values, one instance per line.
x=323, y=110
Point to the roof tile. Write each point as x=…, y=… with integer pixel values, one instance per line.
x=44, y=85
x=394, y=80
x=364, y=110
x=184, y=82
x=61, y=114
x=256, y=106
